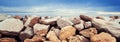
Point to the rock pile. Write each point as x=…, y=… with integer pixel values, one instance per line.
x=59, y=29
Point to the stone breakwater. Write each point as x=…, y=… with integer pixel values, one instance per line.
x=59, y=29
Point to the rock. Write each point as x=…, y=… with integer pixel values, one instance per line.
x=49, y=21
x=7, y=40
x=75, y=20
x=34, y=21
x=11, y=26
x=61, y=22
x=4, y=16
x=36, y=38
x=85, y=18
x=64, y=41
x=56, y=30
x=41, y=29
x=88, y=24
x=115, y=17
x=17, y=17
x=107, y=26
x=52, y=36
x=27, y=33
x=103, y=37
x=77, y=38
x=31, y=20
x=89, y=32
x=66, y=32
x=79, y=26
x=0, y=35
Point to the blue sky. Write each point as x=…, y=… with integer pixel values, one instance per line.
x=57, y=7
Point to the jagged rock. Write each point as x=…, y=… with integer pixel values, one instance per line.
x=77, y=38
x=7, y=40
x=88, y=32
x=27, y=33
x=49, y=21
x=4, y=16
x=85, y=18
x=103, y=37
x=61, y=22
x=31, y=20
x=79, y=26
x=88, y=24
x=41, y=29
x=11, y=26
x=52, y=36
x=107, y=26
x=75, y=20
x=66, y=32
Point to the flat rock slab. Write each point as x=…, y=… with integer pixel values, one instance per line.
x=11, y=25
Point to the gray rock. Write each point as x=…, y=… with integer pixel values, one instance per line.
x=61, y=22
x=88, y=24
x=27, y=33
x=4, y=16
x=75, y=20
x=111, y=27
x=85, y=18
x=11, y=26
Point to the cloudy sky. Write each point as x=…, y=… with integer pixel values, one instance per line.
x=60, y=7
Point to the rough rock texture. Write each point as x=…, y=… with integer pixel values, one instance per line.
x=4, y=16
x=77, y=38
x=7, y=40
x=41, y=29
x=27, y=33
x=85, y=18
x=17, y=17
x=49, y=21
x=66, y=32
x=34, y=21
x=79, y=26
x=103, y=37
x=88, y=24
x=11, y=26
x=111, y=27
x=52, y=36
x=61, y=22
x=75, y=20
x=89, y=32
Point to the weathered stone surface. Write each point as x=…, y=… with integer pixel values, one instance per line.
x=41, y=29
x=11, y=26
x=49, y=21
x=52, y=36
x=111, y=27
x=17, y=17
x=61, y=22
x=34, y=21
x=4, y=16
x=64, y=41
x=36, y=38
x=27, y=33
x=88, y=32
x=103, y=37
x=7, y=40
x=56, y=30
x=67, y=32
x=77, y=38
x=30, y=20
x=0, y=35
x=75, y=20
x=88, y=24
x=79, y=26
x=85, y=18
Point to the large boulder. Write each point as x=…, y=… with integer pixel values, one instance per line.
x=11, y=26
x=4, y=16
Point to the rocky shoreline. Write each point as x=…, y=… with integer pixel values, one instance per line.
x=59, y=29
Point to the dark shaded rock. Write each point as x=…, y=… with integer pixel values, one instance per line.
x=34, y=21
x=75, y=20
x=85, y=18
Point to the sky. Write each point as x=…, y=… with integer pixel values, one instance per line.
x=60, y=7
